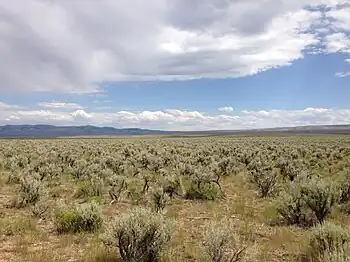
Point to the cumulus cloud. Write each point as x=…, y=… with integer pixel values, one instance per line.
x=339, y=40
x=227, y=109
x=59, y=105
x=341, y=18
x=84, y=44
x=81, y=116
x=175, y=119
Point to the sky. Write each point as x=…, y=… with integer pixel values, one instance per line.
x=175, y=64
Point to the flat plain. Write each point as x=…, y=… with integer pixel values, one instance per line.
x=256, y=198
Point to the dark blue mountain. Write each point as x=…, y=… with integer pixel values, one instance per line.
x=50, y=131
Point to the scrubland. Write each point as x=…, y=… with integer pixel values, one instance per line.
x=219, y=199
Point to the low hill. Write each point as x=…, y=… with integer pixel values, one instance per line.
x=50, y=131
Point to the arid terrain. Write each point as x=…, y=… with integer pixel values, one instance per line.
x=224, y=198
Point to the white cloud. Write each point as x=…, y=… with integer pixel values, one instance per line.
x=175, y=119
x=32, y=116
x=339, y=41
x=227, y=109
x=342, y=18
x=4, y=106
x=342, y=74
x=83, y=44
x=59, y=105
x=81, y=116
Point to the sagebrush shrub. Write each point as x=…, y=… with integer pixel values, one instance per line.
x=344, y=188
x=82, y=170
x=291, y=206
x=345, y=208
x=320, y=196
x=158, y=199
x=171, y=185
x=200, y=185
x=204, y=191
x=225, y=166
x=337, y=255
x=329, y=240
x=86, y=217
x=14, y=177
x=117, y=186
x=30, y=191
x=90, y=188
x=266, y=181
x=48, y=171
x=221, y=244
x=40, y=208
x=140, y=236
x=135, y=193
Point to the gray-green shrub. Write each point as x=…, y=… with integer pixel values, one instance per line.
x=328, y=240
x=90, y=188
x=341, y=255
x=265, y=180
x=344, y=188
x=30, y=191
x=171, y=185
x=140, y=235
x=117, y=186
x=204, y=191
x=40, y=208
x=200, y=184
x=221, y=244
x=320, y=196
x=83, y=218
x=158, y=199
x=14, y=177
x=291, y=206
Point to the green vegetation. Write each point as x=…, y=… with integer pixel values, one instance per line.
x=139, y=236
x=329, y=240
x=221, y=244
x=83, y=218
x=225, y=198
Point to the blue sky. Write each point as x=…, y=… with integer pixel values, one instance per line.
x=229, y=65
x=309, y=82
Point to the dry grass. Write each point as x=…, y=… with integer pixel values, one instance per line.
x=24, y=238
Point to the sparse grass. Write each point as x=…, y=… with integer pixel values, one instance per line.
x=40, y=256
x=222, y=244
x=329, y=241
x=101, y=254
x=17, y=226
x=77, y=173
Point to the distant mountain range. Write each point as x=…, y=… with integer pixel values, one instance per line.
x=50, y=131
